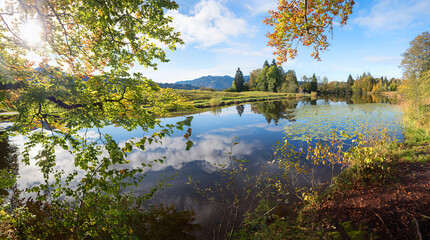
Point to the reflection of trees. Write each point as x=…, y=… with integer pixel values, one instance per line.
x=165, y=222
x=373, y=98
x=313, y=101
x=240, y=109
x=8, y=159
x=275, y=110
x=8, y=155
x=357, y=99
x=216, y=110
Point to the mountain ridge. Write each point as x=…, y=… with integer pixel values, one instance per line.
x=215, y=82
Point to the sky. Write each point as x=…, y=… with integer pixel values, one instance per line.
x=223, y=35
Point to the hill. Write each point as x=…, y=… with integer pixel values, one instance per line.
x=176, y=86
x=215, y=82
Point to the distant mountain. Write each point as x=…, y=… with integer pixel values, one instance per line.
x=215, y=82
x=176, y=86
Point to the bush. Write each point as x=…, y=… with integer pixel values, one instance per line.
x=213, y=102
x=207, y=89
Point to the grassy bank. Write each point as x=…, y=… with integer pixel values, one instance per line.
x=203, y=99
x=385, y=196
x=388, y=198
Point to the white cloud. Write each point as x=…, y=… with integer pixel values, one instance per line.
x=383, y=59
x=264, y=52
x=390, y=15
x=209, y=23
x=258, y=6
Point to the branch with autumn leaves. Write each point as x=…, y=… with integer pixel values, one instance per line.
x=305, y=22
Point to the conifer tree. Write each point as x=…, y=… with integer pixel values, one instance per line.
x=238, y=81
x=350, y=80
x=273, y=63
x=314, y=84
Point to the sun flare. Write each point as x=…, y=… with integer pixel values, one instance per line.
x=31, y=32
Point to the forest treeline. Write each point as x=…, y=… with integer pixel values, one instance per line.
x=273, y=78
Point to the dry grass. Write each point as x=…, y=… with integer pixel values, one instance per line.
x=213, y=102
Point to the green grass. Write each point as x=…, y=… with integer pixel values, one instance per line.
x=416, y=147
x=202, y=99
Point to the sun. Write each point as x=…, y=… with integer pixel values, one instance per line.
x=31, y=32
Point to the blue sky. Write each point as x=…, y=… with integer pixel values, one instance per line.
x=222, y=35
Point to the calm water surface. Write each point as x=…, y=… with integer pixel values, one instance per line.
x=256, y=127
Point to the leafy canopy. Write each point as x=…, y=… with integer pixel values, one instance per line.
x=84, y=55
x=77, y=77
x=305, y=22
x=416, y=90
x=416, y=59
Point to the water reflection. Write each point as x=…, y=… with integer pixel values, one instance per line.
x=8, y=155
x=258, y=126
x=275, y=110
x=8, y=158
x=358, y=99
x=216, y=111
x=209, y=149
x=240, y=109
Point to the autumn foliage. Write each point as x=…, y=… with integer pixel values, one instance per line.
x=305, y=22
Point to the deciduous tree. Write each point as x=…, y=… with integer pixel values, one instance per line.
x=416, y=59
x=305, y=22
x=290, y=85
x=84, y=52
x=416, y=67
x=274, y=79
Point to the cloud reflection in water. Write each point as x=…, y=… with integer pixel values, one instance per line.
x=211, y=149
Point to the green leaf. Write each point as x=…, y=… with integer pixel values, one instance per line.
x=189, y=145
x=187, y=122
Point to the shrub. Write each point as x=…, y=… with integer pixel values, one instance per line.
x=216, y=101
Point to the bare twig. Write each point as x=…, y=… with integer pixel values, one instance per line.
x=417, y=225
x=386, y=228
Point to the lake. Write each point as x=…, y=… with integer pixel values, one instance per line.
x=256, y=127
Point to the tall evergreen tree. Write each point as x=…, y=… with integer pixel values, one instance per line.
x=273, y=63
x=238, y=81
x=266, y=64
x=314, y=84
x=350, y=80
